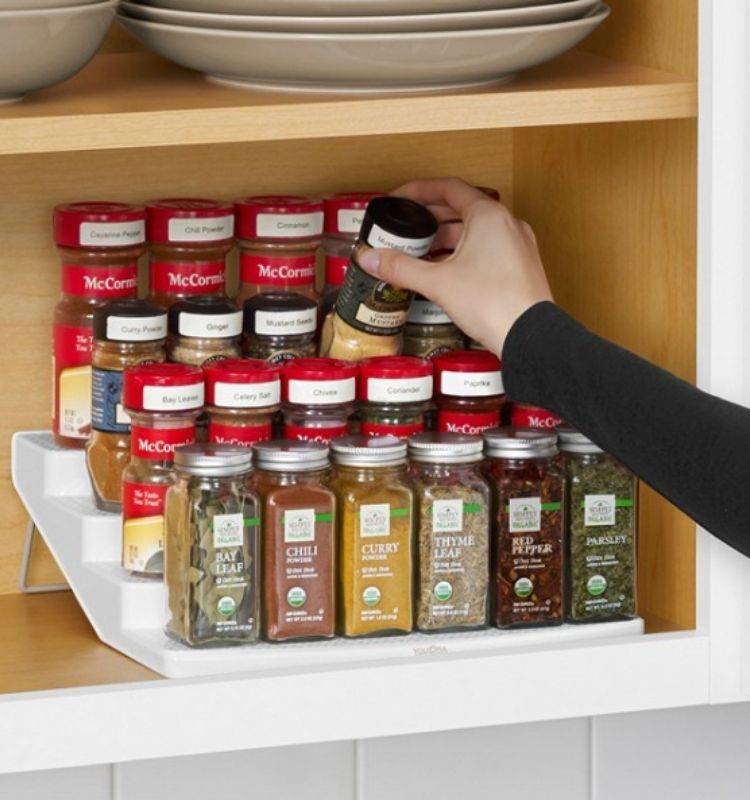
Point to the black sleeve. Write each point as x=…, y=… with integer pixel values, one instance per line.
x=688, y=445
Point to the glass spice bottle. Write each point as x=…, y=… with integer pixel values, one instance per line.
x=601, y=532
x=430, y=331
x=189, y=240
x=394, y=394
x=453, y=531
x=299, y=518
x=369, y=315
x=375, y=535
x=212, y=548
x=279, y=327
x=163, y=402
x=99, y=245
x=317, y=398
x=204, y=329
x=528, y=489
x=468, y=391
x=242, y=396
x=522, y=416
x=126, y=333
x=278, y=236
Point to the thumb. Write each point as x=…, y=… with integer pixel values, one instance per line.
x=399, y=269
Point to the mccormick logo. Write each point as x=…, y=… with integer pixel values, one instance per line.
x=284, y=272
x=467, y=427
x=157, y=447
x=193, y=281
x=93, y=283
x=599, y=510
x=525, y=514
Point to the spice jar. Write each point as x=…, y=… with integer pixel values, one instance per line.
x=394, y=394
x=468, y=391
x=279, y=327
x=278, y=236
x=318, y=398
x=126, y=333
x=212, y=548
x=528, y=492
x=204, y=329
x=601, y=532
x=242, y=396
x=99, y=246
x=369, y=315
x=430, y=331
x=453, y=531
x=163, y=402
x=375, y=535
x=189, y=241
x=299, y=517
x=533, y=417
x=343, y=215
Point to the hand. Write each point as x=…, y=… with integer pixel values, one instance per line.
x=494, y=274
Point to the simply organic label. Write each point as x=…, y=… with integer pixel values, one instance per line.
x=471, y=384
x=113, y=234
x=525, y=514
x=210, y=326
x=201, y=230
x=246, y=395
x=447, y=516
x=322, y=392
x=413, y=247
x=375, y=520
x=286, y=323
x=289, y=226
x=229, y=530
x=599, y=510
x=173, y=398
x=400, y=390
x=299, y=525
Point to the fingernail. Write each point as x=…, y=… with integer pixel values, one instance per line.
x=370, y=261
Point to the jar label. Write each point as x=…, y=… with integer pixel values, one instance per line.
x=210, y=326
x=412, y=247
x=525, y=514
x=187, y=277
x=400, y=431
x=447, y=516
x=471, y=384
x=112, y=234
x=314, y=434
x=374, y=520
x=370, y=305
x=399, y=390
x=210, y=229
x=271, y=270
x=137, y=329
x=466, y=422
x=424, y=312
x=247, y=395
x=336, y=269
x=317, y=393
x=289, y=226
x=107, y=413
x=173, y=398
x=158, y=444
x=100, y=283
x=229, y=530
x=286, y=323
x=143, y=526
x=599, y=510
x=299, y=525
x=71, y=360
x=242, y=435
x=349, y=220
x=528, y=417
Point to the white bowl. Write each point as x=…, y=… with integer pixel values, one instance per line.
x=36, y=5
x=465, y=20
x=43, y=47
x=350, y=62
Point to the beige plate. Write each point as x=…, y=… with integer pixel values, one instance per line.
x=382, y=62
x=465, y=20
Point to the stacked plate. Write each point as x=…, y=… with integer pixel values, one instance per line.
x=43, y=42
x=361, y=45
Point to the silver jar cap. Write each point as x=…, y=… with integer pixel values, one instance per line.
x=290, y=455
x=519, y=443
x=364, y=451
x=445, y=448
x=573, y=441
x=213, y=460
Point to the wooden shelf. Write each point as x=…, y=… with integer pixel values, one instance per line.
x=139, y=100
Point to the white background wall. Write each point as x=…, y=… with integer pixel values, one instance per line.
x=685, y=754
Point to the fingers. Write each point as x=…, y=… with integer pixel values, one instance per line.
x=451, y=192
x=399, y=269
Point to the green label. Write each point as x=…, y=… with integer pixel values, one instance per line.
x=596, y=585
x=443, y=591
x=226, y=606
x=523, y=587
x=371, y=596
x=296, y=597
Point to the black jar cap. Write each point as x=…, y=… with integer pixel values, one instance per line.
x=400, y=217
x=129, y=309
x=273, y=301
x=202, y=306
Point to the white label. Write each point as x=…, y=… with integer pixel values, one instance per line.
x=317, y=393
x=375, y=520
x=399, y=390
x=471, y=384
x=350, y=219
x=247, y=395
x=141, y=329
x=289, y=226
x=413, y=247
x=112, y=234
x=448, y=516
x=286, y=323
x=380, y=319
x=525, y=514
x=599, y=510
x=423, y=312
x=210, y=326
x=213, y=229
x=229, y=530
x=173, y=398
x=299, y=525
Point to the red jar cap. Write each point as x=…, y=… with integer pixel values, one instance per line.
x=316, y=371
x=99, y=224
x=162, y=387
x=188, y=220
x=242, y=372
x=397, y=379
x=340, y=211
x=259, y=217
x=450, y=369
